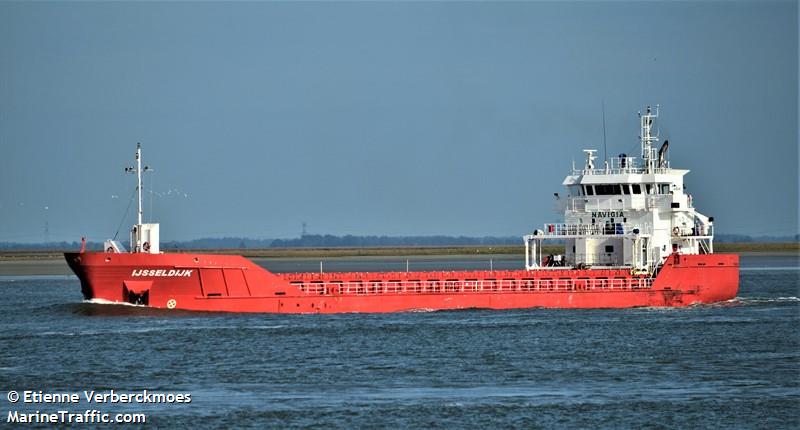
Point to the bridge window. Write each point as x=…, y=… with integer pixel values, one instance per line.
x=625, y=189
x=589, y=190
x=636, y=189
x=608, y=189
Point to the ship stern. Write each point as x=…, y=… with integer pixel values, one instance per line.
x=703, y=278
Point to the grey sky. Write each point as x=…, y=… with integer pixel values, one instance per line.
x=383, y=118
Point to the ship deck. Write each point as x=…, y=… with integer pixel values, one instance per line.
x=482, y=281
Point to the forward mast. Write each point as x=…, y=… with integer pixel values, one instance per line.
x=144, y=237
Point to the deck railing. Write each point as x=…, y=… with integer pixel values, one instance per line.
x=620, y=166
x=594, y=259
x=594, y=229
x=444, y=286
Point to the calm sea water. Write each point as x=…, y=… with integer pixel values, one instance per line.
x=731, y=365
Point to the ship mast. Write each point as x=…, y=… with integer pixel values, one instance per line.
x=649, y=155
x=138, y=170
x=139, y=181
x=136, y=241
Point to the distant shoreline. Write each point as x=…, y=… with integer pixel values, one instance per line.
x=393, y=251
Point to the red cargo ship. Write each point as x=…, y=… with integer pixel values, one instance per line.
x=632, y=238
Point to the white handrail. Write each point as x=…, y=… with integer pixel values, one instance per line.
x=443, y=286
x=564, y=229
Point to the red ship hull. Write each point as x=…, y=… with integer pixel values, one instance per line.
x=225, y=283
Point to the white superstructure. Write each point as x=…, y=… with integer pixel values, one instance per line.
x=627, y=212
